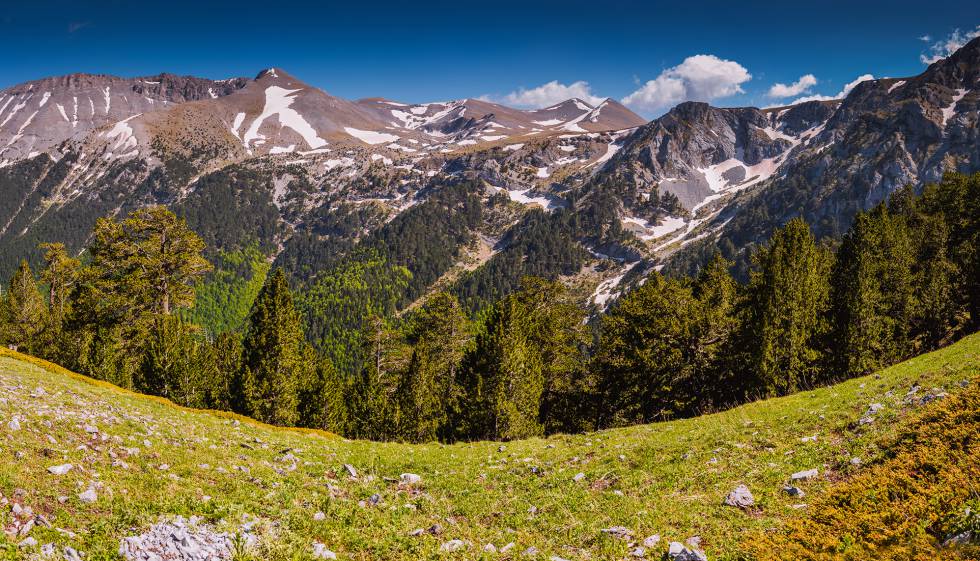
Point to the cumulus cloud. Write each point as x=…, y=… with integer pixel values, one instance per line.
x=840, y=95
x=798, y=87
x=698, y=78
x=945, y=47
x=549, y=94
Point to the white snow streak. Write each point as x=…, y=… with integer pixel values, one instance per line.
x=371, y=137
x=277, y=102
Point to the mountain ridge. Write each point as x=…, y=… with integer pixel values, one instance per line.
x=654, y=194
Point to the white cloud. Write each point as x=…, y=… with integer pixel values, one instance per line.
x=840, y=95
x=551, y=93
x=798, y=87
x=698, y=78
x=945, y=47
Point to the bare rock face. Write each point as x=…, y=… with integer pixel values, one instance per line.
x=39, y=115
x=696, y=151
x=885, y=134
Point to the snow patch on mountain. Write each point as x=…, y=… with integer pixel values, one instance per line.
x=277, y=102
x=950, y=110
x=653, y=231
x=371, y=137
x=123, y=134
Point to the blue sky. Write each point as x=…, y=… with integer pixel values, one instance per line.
x=644, y=52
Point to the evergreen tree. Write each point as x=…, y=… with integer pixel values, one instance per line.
x=148, y=262
x=557, y=332
x=717, y=296
x=374, y=408
x=525, y=361
x=176, y=364
x=322, y=397
x=643, y=357
x=23, y=312
x=60, y=273
x=226, y=350
x=785, y=312
x=872, y=294
x=272, y=357
x=440, y=337
x=936, y=317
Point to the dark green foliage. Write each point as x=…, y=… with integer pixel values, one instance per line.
x=273, y=361
x=373, y=411
x=22, y=311
x=226, y=350
x=872, y=294
x=440, y=334
x=327, y=236
x=150, y=260
x=322, y=399
x=904, y=280
x=661, y=348
x=232, y=208
x=60, y=274
x=426, y=239
x=32, y=182
x=540, y=245
x=176, y=363
x=527, y=359
x=784, y=319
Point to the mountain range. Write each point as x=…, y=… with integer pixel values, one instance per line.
x=309, y=176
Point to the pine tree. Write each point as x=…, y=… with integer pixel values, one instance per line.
x=141, y=268
x=374, y=409
x=148, y=263
x=440, y=337
x=23, y=311
x=872, y=294
x=60, y=273
x=785, y=323
x=524, y=362
x=557, y=333
x=226, y=350
x=175, y=364
x=643, y=355
x=272, y=357
x=717, y=296
x=322, y=396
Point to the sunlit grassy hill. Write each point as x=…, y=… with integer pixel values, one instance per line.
x=136, y=461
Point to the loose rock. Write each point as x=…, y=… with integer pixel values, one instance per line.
x=452, y=545
x=741, y=497
x=619, y=532
x=807, y=474
x=410, y=479
x=320, y=551
x=793, y=491
x=60, y=470
x=651, y=541
x=178, y=539
x=677, y=552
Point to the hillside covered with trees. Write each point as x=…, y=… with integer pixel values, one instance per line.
x=340, y=350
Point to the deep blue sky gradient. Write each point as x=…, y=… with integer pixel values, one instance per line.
x=427, y=51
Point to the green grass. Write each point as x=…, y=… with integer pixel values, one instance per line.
x=652, y=479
